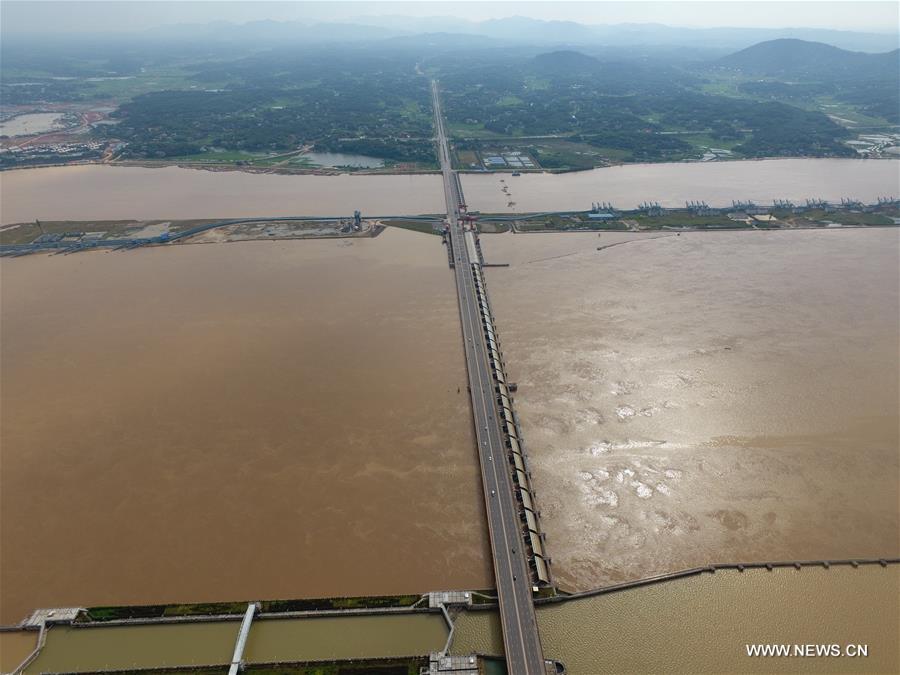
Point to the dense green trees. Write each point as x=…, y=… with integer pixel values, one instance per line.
x=376, y=102
x=638, y=108
x=275, y=104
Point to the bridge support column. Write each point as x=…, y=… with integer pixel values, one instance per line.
x=238, y=656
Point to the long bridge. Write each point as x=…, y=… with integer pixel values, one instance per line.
x=512, y=574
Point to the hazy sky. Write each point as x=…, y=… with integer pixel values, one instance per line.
x=76, y=15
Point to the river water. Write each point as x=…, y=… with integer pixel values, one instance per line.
x=125, y=647
x=702, y=624
x=183, y=644
x=717, y=183
x=246, y=421
x=347, y=637
x=31, y=123
x=698, y=624
x=280, y=419
x=96, y=192
x=706, y=397
x=15, y=648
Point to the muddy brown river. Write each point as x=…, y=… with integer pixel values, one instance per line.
x=114, y=192
x=69, y=649
x=703, y=624
x=697, y=624
x=672, y=184
x=235, y=421
x=708, y=397
x=281, y=419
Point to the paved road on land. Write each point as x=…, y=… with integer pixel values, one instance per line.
x=512, y=577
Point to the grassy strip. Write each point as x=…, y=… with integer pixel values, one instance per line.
x=384, y=666
x=368, y=667
x=370, y=602
x=786, y=219
x=25, y=233
x=684, y=220
x=492, y=227
x=100, y=614
x=816, y=216
x=28, y=232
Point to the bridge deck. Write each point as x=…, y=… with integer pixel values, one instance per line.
x=522, y=646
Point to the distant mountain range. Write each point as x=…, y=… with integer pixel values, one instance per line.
x=799, y=59
x=536, y=31
x=447, y=32
x=521, y=30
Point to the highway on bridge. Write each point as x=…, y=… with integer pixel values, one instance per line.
x=511, y=572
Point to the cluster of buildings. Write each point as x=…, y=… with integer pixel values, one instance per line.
x=53, y=150
x=508, y=160
x=877, y=145
x=746, y=211
x=712, y=154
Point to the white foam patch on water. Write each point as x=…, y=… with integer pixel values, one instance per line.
x=608, y=497
x=603, y=447
x=594, y=495
x=623, y=474
x=643, y=491
x=600, y=448
x=624, y=412
x=622, y=388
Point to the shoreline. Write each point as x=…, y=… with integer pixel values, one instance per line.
x=336, y=171
x=394, y=604
x=186, y=230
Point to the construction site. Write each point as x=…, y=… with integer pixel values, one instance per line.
x=73, y=236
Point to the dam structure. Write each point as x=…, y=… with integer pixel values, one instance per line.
x=515, y=547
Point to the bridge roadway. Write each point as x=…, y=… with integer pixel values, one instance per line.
x=512, y=576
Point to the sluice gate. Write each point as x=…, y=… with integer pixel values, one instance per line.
x=529, y=514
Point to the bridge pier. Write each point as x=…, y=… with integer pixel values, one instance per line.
x=237, y=659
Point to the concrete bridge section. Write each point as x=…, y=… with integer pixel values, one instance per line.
x=528, y=514
x=237, y=659
x=522, y=646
